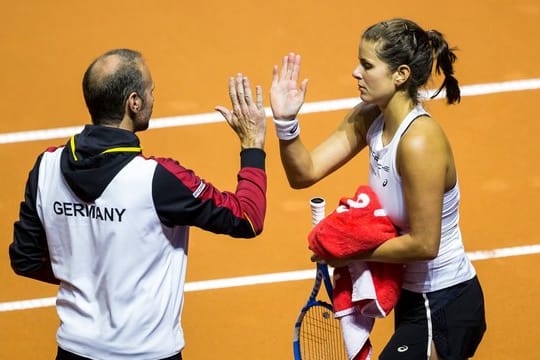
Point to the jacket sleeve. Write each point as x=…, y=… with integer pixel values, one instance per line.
x=28, y=253
x=182, y=198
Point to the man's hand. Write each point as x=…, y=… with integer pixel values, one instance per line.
x=248, y=118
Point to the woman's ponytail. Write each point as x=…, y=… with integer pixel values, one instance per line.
x=445, y=58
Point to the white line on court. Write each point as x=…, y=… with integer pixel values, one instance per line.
x=312, y=107
x=272, y=278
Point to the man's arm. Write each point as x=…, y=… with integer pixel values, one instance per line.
x=183, y=198
x=28, y=252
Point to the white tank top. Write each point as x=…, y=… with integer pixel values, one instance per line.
x=451, y=266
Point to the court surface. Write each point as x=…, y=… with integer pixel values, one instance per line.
x=243, y=295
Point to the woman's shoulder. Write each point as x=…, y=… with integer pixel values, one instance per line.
x=424, y=127
x=424, y=135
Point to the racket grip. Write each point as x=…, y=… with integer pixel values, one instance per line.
x=318, y=206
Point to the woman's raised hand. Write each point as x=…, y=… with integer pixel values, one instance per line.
x=286, y=98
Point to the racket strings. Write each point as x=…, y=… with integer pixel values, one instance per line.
x=320, y=335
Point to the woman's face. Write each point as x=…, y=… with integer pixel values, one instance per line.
x=375, y=81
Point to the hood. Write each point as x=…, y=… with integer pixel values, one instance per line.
x=91, y=159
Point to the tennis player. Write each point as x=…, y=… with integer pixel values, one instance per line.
x=440, y=314
x=110, y=226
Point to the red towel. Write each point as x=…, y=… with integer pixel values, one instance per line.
x=363, y=290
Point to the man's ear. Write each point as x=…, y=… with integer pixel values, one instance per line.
x=134, y=102
x=401, y=75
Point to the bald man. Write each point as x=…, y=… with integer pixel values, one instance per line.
x=110, y=226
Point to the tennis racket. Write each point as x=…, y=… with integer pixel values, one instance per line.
x=317, y=334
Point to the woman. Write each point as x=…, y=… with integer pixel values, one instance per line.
x=440, y=314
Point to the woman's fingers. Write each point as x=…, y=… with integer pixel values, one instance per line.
x=290, y=66
x=284, y=63
x=295, y=67
x=303, y=86
x=275, y=76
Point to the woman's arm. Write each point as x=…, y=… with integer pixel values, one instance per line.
x=426, y=166
x=302, y=166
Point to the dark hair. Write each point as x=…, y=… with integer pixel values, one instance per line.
x=401, y=41
x=106, y=93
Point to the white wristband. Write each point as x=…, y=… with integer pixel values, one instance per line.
x=287, y=129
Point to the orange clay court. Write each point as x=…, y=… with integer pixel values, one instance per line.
x=192, y=48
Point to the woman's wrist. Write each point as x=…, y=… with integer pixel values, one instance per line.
x=287, y=129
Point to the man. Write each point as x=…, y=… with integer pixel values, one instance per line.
x=110, y=226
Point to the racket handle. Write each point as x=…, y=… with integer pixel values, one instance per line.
x=318, y=205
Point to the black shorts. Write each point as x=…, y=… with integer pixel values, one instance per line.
x=66, y=355
x=453, y=318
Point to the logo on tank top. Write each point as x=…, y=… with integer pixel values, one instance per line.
x=378, y=165
x=385, y=182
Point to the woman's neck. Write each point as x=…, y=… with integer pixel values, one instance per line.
x=394, y=113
